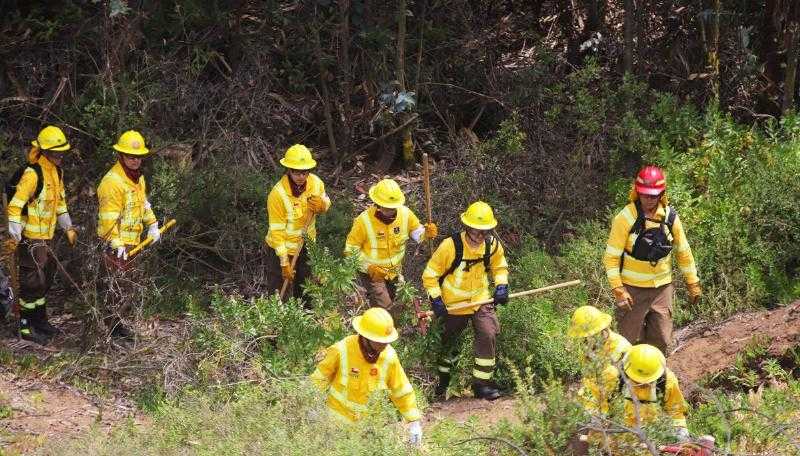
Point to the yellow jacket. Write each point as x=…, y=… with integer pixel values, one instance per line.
x=288, y=214
x=384, y=245
x=43, y=211
x=350, y=380
x=640, y=273
x=464, y=286
x=595, y=398
x=123, y=208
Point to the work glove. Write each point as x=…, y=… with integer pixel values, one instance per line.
x=501, y=295
x=682, y=434
x=316, y=204
x=287, y=272
x=15, y=231
x=415, y=433
x=122, y=253
x=623, y=298
x=65, y=223
x=72, y=236
x=152, y=232
x=694, y=292
x=376, y=273
x=431, y=230
x=437, y=305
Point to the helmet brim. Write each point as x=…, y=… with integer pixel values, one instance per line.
x=62, y=148
x=642, y=190
x=291, y=165
x=138, y=152
x=382, y=339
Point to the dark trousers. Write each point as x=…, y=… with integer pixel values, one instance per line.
x=301, y=272
x=486, y=327
x=119, y=288
x=37, y=268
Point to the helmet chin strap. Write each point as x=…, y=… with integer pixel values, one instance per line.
x=370, y=354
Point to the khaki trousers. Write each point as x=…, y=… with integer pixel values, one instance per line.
x=381, y=294
x=650, y=319
x=486, y=327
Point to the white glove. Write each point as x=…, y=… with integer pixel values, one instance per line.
x=682, y=434
x=122, y=253
x=415, y=433
x=64, y=221
x=15, y=231
x=152, y=232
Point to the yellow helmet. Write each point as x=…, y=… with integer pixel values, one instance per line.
x=587, y=321
x=51, y=139
x=644, y=363
x=131, y=143
x=479, y=215
x=376, y=325
x=387, y=193
x=298, y=157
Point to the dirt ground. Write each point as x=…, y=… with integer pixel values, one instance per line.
x=706, y=349
x=462, y=409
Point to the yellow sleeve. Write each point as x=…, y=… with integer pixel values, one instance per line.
x=438, y=265
x=277, y=218
x=615, y=247
x=674, y=403
x=355, y=239
x=498, y=265
x=683, y=252
x=61, y=206
x=592, y=396
x=326, y=370
x=24, y=193
x=111, y=203
x=149, y=216
x=323, y=195
x=413, y=221
x=401, y=392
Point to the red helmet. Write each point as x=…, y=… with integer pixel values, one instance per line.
x=651, y=181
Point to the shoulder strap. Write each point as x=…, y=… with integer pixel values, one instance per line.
x=661, y=388
x=37, y=168
x=458, y=246
x=639, y=223
x=671, y=214
x=487, y=253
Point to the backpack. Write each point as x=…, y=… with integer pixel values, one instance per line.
x=661, y=389
x=11, y=184
x=652, y=244
x=459, y=257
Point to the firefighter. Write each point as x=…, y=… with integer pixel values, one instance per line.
x=638, y=261
x=360, y=365
x=124, y=214
x=459, y=272
x=656, y=388
x=292, y=208
x=378, y=236
x=38, y=204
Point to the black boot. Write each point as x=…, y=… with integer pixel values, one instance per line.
x=441, y=388
x=485, y=391
x=40, y=323
x=27, y=330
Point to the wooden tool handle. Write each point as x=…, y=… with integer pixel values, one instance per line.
x=468, y=305
x=426, y=185
x=149, y=240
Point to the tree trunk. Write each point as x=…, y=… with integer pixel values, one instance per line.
x=408, y=143
x=323, y=74
x=713, y=52
x=347, y=76
x=630, y=19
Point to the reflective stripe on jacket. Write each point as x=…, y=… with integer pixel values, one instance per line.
x=43, y=211
x=378, y=243
x=287, y=214
x=641, y=273
x=350, y=380
x=464, y=286
x=595, y=398
x=123, y=211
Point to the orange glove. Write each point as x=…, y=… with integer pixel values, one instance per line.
x=431, y=230
x=316, y=204
x=286, y=269
x=72, y=237
x=694, y=292
x=623, y=298
x=376, y=273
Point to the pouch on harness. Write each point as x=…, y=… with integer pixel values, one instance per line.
x=652, y=244
x=458, y=244
x=13, y=182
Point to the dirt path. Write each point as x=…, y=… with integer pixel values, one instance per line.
x=708, y=349
x=462, y=409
